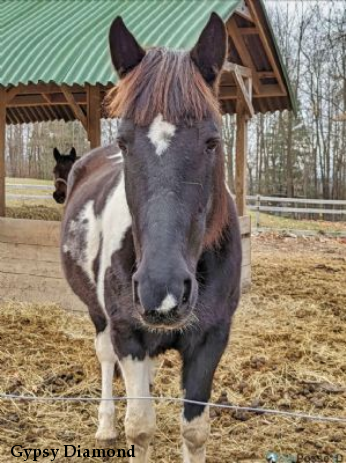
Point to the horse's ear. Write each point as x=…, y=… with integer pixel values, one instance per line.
x=209, y=53
x=56, y=154
x=73, y=154
x=126, y=53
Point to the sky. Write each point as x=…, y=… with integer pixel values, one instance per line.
x=292, y=4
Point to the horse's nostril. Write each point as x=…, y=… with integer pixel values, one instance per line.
x=187, y=291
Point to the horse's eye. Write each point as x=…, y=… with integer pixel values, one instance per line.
x=212, y=143
x=122, y=146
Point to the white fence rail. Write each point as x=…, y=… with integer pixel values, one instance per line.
x=256, y=203
x=20, y=186
x=30, y=187
x=258, y=200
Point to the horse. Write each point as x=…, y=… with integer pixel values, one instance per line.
x=62, y=168
x=150, y=236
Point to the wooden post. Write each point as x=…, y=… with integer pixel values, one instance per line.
x=94, y=116
x=2, y=150
x=241, y=158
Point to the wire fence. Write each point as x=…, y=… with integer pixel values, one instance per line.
x=256, y=410
x=258, y=207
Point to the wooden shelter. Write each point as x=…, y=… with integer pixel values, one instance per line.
x=55, y=65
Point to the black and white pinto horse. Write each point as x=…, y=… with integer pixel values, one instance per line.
x=150, y=237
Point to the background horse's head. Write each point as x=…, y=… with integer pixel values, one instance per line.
x=170, y=137
x=64, y=163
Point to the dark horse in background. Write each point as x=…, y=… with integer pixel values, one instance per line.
x=62, y=168
x=150, y=237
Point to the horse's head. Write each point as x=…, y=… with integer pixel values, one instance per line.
x=170, y=136
x=64, y=163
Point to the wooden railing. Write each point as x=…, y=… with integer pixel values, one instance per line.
x=255, y=203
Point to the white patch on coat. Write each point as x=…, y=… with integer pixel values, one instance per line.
x=140, y=421
x=115, y=221
x=167, y=304
x=160, y=134
x=107, y=358
x=104, y=347
x=92, y=239
x=195, y=435
x=84, y=252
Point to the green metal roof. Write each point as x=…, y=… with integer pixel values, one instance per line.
x=66, y=41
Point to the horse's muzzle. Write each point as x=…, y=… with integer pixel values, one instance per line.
x=165, y=304
x=59, y=197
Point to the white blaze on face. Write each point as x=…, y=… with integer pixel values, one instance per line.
x=167, y=304
x=160, y=134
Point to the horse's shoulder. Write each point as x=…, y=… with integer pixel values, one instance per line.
x=96, y=160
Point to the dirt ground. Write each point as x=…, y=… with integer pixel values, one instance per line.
x=286, y=352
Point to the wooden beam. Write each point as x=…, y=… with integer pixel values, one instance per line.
x=243, y=52
x=45, y=88
x=11, y=93
x=248, y=30
x=77, y=110
x=94, y=116
x=241, y=158
x=266, y=74
x=266, y=45
x=268, y=91
x=231, y=67
x=59, y=98
x=45, y=99
x=244, y=93
x=244, y=11
x=2, y=151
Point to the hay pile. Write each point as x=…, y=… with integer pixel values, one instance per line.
x=35, y=212
x=287, y=352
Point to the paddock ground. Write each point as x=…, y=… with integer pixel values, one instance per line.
x=287, y=352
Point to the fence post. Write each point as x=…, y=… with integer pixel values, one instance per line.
x=258, y=205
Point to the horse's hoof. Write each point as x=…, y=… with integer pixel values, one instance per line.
x=106, y=437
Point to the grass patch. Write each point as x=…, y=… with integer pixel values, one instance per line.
x=273, y=221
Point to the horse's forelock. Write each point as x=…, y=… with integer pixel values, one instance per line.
x=165, y=82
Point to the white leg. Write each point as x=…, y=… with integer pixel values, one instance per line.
x=107, y=358
x=140, y=419
x=195, y=435
x=152, y=370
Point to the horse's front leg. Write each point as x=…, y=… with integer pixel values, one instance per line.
x=107, y=358
x=140, y=421
x=199, y=365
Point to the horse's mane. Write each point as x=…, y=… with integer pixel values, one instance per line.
x=165, y=82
